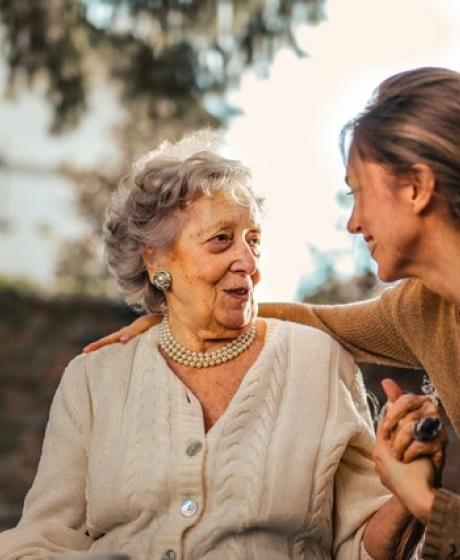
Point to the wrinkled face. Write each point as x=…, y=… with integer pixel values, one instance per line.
x=383, y=215
x=214, y=266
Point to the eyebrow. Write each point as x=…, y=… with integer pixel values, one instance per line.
x=347, y=180
x=222, y=224
x=225, y=224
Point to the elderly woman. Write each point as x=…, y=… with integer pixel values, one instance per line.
x=215, y=434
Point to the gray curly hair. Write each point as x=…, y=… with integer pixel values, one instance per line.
x=145, y=211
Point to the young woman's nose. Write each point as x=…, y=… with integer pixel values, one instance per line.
x=353, y=225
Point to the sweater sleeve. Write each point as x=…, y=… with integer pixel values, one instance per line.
x=442, y=534
x=358, y=492
x=369, y=330
x=54, y=513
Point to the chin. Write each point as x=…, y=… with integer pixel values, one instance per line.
x=236, y=320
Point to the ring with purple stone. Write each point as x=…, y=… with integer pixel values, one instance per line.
x=427, y=429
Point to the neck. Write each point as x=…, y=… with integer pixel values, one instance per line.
x=206, y=337
x=198, y=359
x=439, y=267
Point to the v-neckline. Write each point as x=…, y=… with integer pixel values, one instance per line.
x=271, y=326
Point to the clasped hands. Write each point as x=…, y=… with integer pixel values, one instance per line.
x=411, y=469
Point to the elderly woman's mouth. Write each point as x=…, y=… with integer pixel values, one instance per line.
x=241, y=294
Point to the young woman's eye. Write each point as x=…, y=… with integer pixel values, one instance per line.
x=352, y=191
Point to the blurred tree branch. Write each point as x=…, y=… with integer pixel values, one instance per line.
x=163, y=56
x=154, y=49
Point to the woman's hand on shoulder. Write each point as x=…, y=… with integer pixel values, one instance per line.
x=138, y=326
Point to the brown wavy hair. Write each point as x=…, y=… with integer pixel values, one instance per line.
x=413, y=117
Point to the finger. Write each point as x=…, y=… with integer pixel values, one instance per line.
x=384, y=462
x=141, y=324
x=399, y=408
x=419, y=449
x=391, y=389
x=383, y=437
x=427, y=410
x=435, y=447
x=402, y=439
x=104, y=341
x=439, y=458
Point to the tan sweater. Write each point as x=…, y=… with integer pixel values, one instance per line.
x=408, y=326
x=126, y=466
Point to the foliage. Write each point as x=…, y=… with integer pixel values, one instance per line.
x=326, y=286
x=336, y=290
x=18, y=285
x=166, y=59
x=167, y=54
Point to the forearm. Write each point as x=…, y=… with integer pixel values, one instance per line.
x=366, y=329
x=392, y=532
x=295, y=312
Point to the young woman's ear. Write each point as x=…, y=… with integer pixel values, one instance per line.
x=423, y=184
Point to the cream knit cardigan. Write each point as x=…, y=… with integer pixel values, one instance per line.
x=286, y=472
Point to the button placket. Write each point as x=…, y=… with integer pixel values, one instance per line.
x=189, y=446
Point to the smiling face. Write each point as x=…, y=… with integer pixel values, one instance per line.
x=385, y=215
x=214, y=268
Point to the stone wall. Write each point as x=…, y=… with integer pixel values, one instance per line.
x=38, y=337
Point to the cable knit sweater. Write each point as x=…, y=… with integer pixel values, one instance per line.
x=410, y=326
x=126, y=465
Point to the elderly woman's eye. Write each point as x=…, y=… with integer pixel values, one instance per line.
x=254, y=242
x=221, y=237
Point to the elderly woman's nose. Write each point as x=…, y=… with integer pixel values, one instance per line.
x=245, y=259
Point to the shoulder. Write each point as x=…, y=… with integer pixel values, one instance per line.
x=316, y=340
x=316, y=349
x=411, y=292
x=108, y=365
x=413, y=301
x=304, y=333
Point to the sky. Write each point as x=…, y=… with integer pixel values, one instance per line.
x=291, y=124
x=287, y=133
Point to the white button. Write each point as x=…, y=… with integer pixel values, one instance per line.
x=188, y=508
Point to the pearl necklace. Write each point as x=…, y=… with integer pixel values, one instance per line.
x=194, y=359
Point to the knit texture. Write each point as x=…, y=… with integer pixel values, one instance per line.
x=442, y=539
x=285, y=472
x=408, y=326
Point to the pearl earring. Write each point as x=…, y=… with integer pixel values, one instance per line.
x=162, y=280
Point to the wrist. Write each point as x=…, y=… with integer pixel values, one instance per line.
x=421, y=503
